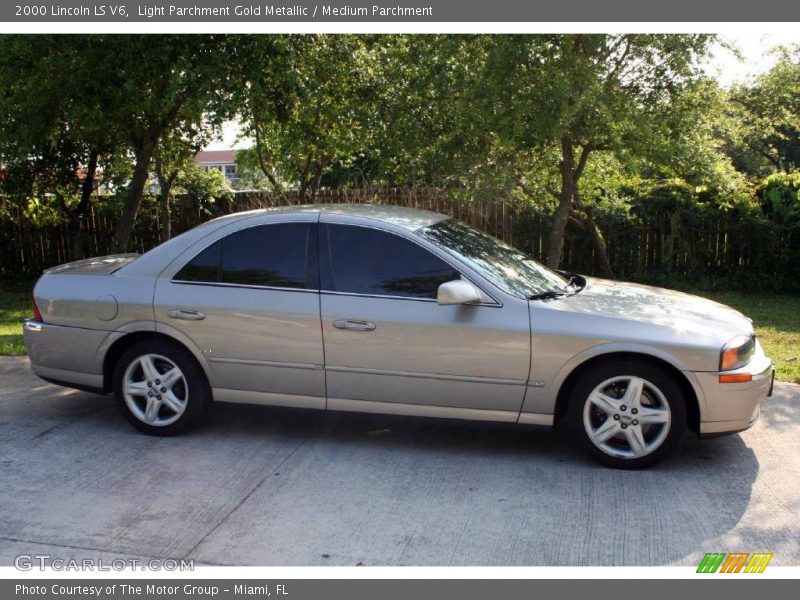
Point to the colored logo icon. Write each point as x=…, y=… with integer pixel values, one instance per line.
x=734, y=562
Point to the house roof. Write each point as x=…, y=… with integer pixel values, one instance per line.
x=216, y=156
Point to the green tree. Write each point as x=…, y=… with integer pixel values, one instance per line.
x=207, y=190
x=572, y=96
x=249, y=170
x=429, y=130
x=307, y=105
x=81, y=96
x=54, y=143
x=767, y=115
x=173, y=156
x=165, y=84
x=780, y=196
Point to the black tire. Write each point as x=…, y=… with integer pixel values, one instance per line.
x=657, y=378
x=194, y=385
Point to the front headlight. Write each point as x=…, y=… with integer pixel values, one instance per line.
x=737, y=352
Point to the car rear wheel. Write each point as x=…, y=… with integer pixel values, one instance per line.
x=160, y=388
x=628, y=415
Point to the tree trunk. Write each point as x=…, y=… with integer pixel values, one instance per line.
x=599, y=243
x=561, y=216
x=602, y=252
x=569, y=203
x=144, y=154
x=317, y=179
x=164, y=214
x=165, y=183
x=75, y=217
x=305, y=181
x=589, y=225
x=262, y=163
x=87, y=188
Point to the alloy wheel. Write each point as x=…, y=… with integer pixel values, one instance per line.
x=155, y=390
x=627, y=417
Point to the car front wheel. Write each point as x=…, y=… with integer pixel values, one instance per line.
x=628, y=415
x=160, y=388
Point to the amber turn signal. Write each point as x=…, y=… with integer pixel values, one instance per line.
x=730, y=358
x=735, y=378
x=36, y=314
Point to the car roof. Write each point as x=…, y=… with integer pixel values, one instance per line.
x=151, y=263
x=401, y=216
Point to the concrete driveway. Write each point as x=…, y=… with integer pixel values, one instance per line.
x=269, y=486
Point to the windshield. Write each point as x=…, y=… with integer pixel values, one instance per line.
x=506, y=267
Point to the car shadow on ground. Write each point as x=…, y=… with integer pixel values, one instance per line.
x=406, y=490
x=691, y=495
x=670, y=510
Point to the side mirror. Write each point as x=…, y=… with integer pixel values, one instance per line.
x=458, y=292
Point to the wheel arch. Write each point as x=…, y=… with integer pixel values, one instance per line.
x=126, y=341
x=573, y=376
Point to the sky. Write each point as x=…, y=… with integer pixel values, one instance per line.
x=756, y=58
x=756, y=55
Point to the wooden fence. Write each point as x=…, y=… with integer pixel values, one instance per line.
x=26, y=248
x=684, y=244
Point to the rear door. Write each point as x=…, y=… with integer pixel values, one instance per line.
x=389, y=347
x=249, y=301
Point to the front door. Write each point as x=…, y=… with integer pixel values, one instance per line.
x=389, y=347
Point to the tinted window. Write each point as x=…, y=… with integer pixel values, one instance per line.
x=269, y=255
x=274, y=255
x=203, y=267
x=366, y=261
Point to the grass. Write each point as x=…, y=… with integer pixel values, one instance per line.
x=15, y=305
x=777, y=319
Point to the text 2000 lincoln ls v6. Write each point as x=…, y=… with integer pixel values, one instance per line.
x=391, y=310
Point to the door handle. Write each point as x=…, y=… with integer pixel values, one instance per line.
x=186, y=315
x=353, y=325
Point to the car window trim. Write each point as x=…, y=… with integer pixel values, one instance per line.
x=447, y=259
x=359, y=295
x=246, y=285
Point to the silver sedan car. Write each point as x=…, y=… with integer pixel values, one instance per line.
x=385, y=309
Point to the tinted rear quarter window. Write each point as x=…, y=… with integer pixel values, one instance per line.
x=267, y=255
x=203, y=267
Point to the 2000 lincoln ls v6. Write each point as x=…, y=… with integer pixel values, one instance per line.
x=391, y=310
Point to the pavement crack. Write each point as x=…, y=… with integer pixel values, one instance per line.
x=244, y=499
x=41, y=434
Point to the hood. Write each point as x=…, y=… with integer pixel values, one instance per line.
x=101, y=265
x=657, y=306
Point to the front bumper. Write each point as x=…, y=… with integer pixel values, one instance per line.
x=732, y=407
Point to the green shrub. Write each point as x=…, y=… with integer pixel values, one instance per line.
x=206, y=190
x=780, y=197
